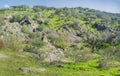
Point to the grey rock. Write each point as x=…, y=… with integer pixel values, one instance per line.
x=51, y=54
x=24, y=70
x=13, y=29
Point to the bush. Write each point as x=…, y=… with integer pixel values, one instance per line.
x=82, y=55
x=26, y=29
x=79, y=53
x=31, y=49
x=38, y=43
x=108, y=60
x=16, y=18
x=60, y=42
x=35, y=35
x=2, y=22
x=108, y=64
x=13, y=43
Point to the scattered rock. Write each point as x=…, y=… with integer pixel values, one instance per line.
x=40, y=69
x=31, y=69
x=24, y=70
x=60, y=66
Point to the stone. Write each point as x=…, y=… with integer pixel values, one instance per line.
x=26, y=20
x=13, y=29
x=24, y=70
x=66, y=28
x=52, y=54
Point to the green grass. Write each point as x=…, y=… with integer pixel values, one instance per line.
x=9, y=67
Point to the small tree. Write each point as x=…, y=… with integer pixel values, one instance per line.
x=108, y=61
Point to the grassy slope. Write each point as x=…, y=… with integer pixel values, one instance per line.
x=9, y=67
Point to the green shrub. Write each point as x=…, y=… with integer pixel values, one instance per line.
x=31, y=49
x=2, y=22
x=108, y=64
x=108, y=60
x=16, y=18
x=82, y=55
x=60, y=42
x=38, y=43
x=26, y=29
x=13, y=43
x=79, y=53
x=35, y=35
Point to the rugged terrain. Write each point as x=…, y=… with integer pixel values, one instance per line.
x=47, y=41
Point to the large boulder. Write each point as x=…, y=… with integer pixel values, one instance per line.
x=29, y=23
x=51, y=54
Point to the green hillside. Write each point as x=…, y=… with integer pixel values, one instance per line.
x=48, y=41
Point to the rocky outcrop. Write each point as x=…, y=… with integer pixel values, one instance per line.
x=26, y=20
x=7, y=17
x=51, y=54
x=13, y=29
x=99, y=27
